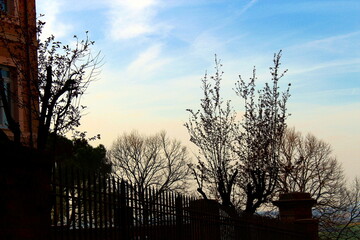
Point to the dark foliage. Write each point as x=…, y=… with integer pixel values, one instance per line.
x=79, y=154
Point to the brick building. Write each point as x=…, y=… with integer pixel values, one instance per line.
x=18, y=66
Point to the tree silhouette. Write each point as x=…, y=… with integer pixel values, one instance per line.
x=239, y=158
x=308, y=165
x=258, y=143
x=54, y=88
x=212, y=129
x=150, y=161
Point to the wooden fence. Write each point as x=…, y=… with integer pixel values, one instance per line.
x=92, y=206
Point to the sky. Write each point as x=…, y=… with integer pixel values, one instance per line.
x=156, y=52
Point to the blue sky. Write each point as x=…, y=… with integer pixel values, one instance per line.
x=156, y=51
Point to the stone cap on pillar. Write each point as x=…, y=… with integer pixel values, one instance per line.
x=294, y=206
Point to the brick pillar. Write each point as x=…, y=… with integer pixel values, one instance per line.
x=24, y=194
x=296, y=208
x=205, y=219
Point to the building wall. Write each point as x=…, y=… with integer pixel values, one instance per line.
x=18, y=47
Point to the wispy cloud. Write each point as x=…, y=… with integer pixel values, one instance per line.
x=51, y=10
x=148, y=61
x=334, y=38
x=134, y=18
x=337, y=53
x=333, y=43
x=230, y=19
x=246, y=7
x=334, y=93
x=136, y=4
x=335, y=65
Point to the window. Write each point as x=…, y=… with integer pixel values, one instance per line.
x=3, y=5
x=5, y=74
x=6, y=6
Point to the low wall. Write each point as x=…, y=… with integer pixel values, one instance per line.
x=24, y=194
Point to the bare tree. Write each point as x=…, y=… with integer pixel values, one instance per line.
x=212, y=129
x=258, y=143
x=55, y=81
x=308, y=165
x=350, y=227
x=150, y=161
x=342, y=221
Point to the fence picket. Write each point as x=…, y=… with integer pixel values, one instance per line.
x=91, y=198
x=96, y=197
x=72, y=224
x=98, y=207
